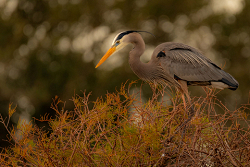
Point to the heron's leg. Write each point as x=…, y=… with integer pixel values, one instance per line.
x=184, y=91
x=184, y=101
x=191, y=113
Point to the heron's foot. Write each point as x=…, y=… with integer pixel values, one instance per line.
x=182, y=136
x=182, y=126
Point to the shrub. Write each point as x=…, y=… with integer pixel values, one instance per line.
x=120, y=130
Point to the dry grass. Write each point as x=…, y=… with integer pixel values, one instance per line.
x=116, y=132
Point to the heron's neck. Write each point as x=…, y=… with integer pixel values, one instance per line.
x=138, y=67
x=136, y=52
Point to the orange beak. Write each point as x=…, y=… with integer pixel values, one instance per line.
x=109, y=53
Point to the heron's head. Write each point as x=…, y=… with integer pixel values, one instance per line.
x=120, y=41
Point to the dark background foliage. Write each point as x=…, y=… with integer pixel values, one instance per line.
x=51, y=47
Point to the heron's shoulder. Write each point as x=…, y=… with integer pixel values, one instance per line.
x=174, y=48
x=171, y=46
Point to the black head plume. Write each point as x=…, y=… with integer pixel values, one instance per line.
x=128, y=32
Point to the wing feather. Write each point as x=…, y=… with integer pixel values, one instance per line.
x=189, y=64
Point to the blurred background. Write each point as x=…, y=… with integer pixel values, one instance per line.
x=50, y=48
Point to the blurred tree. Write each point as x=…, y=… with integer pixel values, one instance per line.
x=50, y=47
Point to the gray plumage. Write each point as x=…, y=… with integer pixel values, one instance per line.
x=171, y=63
x=174, y=64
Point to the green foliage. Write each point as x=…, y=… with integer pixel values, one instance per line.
x=119, y=130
